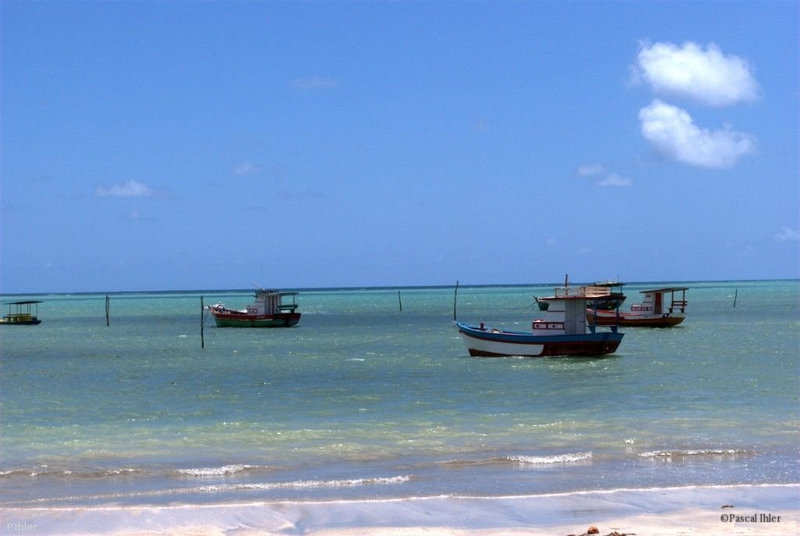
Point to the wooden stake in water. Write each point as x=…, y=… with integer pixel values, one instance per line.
x=455, y=297
x=202, y=337
x=399, y=301
x=108, y=311
x=735, y=295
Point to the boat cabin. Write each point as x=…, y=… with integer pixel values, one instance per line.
x=662, y=301
x=23, y=313
x=270, y=302
x=605, y=295
x=565, y=313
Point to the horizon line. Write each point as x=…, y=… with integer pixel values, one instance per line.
x=376, y=287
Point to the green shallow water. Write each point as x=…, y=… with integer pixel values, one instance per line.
x=361, y=390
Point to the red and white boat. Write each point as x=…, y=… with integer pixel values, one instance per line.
x=271, y=309
x=659, y=308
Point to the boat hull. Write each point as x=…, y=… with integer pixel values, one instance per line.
x=499, y=343
x=243, y=320
x=609, y=318
x=20, y=322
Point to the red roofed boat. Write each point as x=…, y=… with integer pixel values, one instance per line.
x=660, y=308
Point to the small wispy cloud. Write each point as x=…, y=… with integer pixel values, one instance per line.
x=703, y=74
x=314, y=82
x=787, y=234
x=246, y=169
x=673, y=133
x=615, y=180
x=590, y=170
x=131, y=188
x=609, y=179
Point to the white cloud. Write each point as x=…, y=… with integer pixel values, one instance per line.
x=611, y=179
x=131, y=188
x=588, y=170
x=787, y=234
x=673, y=133
x=246, y=169
x=705, y=75
x=615, y=180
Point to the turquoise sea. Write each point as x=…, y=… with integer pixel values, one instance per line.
x=362, y=399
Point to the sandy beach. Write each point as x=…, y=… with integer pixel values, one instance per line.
x=767, y=509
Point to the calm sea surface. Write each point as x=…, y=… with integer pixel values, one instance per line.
x=363, y=400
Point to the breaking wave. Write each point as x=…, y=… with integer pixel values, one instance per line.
x=519, y=459
x=219, y=471
x=44, y=471
x=227, y=488
x=694, y=453
x=557, y=459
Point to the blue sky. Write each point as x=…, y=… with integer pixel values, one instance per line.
x=208, y=145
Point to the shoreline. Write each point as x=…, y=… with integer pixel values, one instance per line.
x=706, y=510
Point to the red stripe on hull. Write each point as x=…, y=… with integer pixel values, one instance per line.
x=242, y=320
x=634, y=321
x=555, y=349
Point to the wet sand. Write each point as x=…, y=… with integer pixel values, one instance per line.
x=767, y=509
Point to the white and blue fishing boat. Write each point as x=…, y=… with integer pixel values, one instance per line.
x=563, y=331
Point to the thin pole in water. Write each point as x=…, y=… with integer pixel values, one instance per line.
x=108, y=310
x=455, y=297
x=735, y=295
x=202, y=337
x=399, y=301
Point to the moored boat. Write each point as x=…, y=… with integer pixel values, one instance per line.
x=659, y=308
x=563, y=331
x=271, y=309
x=22, y=313
x=605, y=295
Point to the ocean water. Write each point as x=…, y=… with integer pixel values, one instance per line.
x=364, y=400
